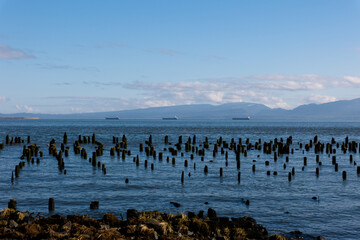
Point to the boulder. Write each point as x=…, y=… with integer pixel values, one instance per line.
x=111, y=220
x=13, y=224
x=162, y=228
x=211, y=213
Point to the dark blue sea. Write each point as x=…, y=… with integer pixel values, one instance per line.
x=279, y=205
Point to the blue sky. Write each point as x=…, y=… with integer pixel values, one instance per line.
x=88, y=56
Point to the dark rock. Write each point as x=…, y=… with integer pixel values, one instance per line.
x=32, y=230
x=83, y=220
x=66, y=227
x=199, y=227
x=277, y=237
x=320, y=238
x=13, y=224
x=211, y=213
x=201, y=214
x=223, y=220
x=108, y=234
x=132, y=214
x=192, y=215
x=54, y=219
x=160, y=228
x=175, y=204
x=111, y=220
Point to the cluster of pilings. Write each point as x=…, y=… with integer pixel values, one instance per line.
x=235, y=150
x=51, y=204
x=15, y=140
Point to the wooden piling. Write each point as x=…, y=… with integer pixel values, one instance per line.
x=12, y=203
x=94, y=205
x=182, y=177
x=51, y=204
x=344, y=175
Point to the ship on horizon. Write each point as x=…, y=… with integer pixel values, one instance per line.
x=241, y=118
x=112, y=118
x=170, y=118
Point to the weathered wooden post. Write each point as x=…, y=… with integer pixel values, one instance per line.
x=51, y=204
x=65, y=140
x=94, y=205
x=12, y=203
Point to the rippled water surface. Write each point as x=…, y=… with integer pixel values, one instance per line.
x=276, y=203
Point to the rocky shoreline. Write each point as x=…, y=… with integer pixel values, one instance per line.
x=139, y=225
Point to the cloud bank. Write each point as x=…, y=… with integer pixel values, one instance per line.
x=273, y=90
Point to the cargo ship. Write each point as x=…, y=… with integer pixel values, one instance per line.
x=241, y=118
x=27, y=118
x=170, y=118
x=112, y=118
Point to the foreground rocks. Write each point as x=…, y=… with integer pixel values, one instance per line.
x=139, y=225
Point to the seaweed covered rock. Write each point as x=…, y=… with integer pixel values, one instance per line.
x=139, y=225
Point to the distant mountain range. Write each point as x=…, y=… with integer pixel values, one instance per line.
x=344, y=110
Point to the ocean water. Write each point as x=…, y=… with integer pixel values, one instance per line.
x=279, y=205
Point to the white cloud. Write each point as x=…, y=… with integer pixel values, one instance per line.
x=274, y=90
x=177, y=93
x=7, y=52
x=320, y=99
x=24, y=108
x=353, y=80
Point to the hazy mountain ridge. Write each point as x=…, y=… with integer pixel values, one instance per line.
x=340, y=110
